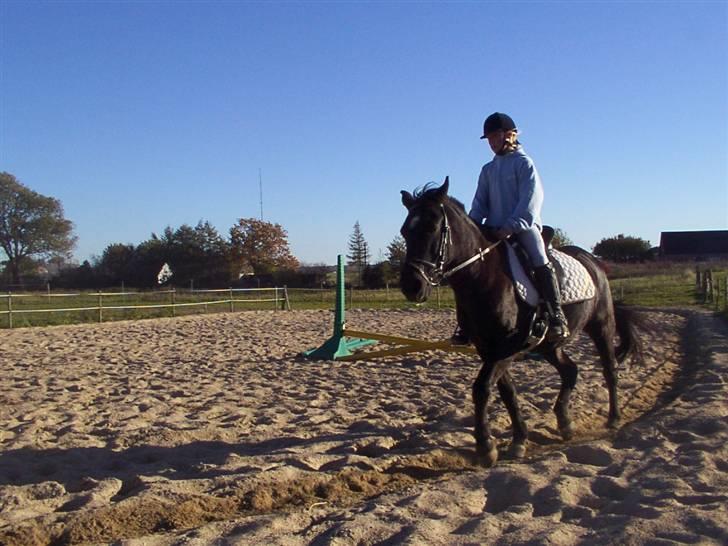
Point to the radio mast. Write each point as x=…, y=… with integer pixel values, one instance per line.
x=260, y=187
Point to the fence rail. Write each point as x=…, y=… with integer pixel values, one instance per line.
x=688, y=286
x=279, y=300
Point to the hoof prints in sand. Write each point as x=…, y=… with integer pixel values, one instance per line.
x=132, y=428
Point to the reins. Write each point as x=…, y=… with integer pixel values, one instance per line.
x=479, y=256
x=438, y=273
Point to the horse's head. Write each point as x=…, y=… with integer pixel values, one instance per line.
x=426, y=231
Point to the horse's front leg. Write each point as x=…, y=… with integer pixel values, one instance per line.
x=507, y=390
x=485, y=445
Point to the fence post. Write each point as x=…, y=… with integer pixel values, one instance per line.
x=232, y=304
x=48, y=288
x=101, y=306
x=717, y=294
x=10, y=309
x=174, y=302
x=287, y=302
x=704, y=286
x=716, y=297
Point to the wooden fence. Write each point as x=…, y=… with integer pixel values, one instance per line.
x=711, y=288
x=278, y=297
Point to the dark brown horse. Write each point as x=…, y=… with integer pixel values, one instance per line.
x=443, y=242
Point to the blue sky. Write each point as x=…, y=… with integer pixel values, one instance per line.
x=138, y=115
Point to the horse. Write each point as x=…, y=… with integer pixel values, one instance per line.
x=442, y=242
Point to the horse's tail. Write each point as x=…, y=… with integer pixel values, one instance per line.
x=627, y=320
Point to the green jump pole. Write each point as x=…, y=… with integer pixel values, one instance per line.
x=338, y=345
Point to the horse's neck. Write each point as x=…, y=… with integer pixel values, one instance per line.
x=484, y=293
x=483, y=276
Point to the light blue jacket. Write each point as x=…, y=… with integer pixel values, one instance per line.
x=509, y=194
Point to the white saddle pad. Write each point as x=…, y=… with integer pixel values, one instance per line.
x=576, y=283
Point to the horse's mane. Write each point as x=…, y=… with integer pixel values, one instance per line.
x=429, y=192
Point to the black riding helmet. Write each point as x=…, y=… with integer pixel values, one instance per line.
x=497, y=122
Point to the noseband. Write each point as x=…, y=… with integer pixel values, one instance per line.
x=437, y=272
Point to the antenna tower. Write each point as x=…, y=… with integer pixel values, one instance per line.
x=260, y=187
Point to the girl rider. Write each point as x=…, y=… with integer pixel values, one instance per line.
x=509, y=197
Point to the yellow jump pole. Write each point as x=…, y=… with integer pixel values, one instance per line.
x=345, y=341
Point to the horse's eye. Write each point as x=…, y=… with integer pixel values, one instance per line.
x=413, y=221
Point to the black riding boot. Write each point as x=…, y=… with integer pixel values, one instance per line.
x=548, y=285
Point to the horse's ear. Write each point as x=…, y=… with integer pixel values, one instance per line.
x=442, y=190
x=407, y=199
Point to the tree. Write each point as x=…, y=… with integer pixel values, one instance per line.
x=31, y=225
x=260, y=246
x=117, y=263
x=560, y=238
x=82, y=276
x=197, y=253
x=359, y=251
x=376, y=276
x=149, y=256
x=622, y=248
x=396, y=252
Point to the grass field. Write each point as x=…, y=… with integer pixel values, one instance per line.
x=650, y=288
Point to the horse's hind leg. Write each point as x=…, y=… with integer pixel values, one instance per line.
x=507, y=391
x=603, y=336
x=568, y=372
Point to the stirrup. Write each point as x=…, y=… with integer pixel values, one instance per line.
x=558, y=331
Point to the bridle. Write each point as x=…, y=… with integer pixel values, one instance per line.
x=437, y=272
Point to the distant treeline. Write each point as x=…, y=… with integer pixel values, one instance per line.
x=255, y=255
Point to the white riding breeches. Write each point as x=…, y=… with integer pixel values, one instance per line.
x=532, y=242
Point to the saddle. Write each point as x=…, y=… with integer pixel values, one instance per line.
x=574, y=280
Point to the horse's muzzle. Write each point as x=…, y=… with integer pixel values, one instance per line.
x=414, y=287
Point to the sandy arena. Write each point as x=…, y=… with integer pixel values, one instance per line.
x=209, y=430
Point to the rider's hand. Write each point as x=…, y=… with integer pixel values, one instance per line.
x=500, y=234
x=495, y=233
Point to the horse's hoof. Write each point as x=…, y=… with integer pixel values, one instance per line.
x=517, y=450
x=567, y=432
x=486, y=457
